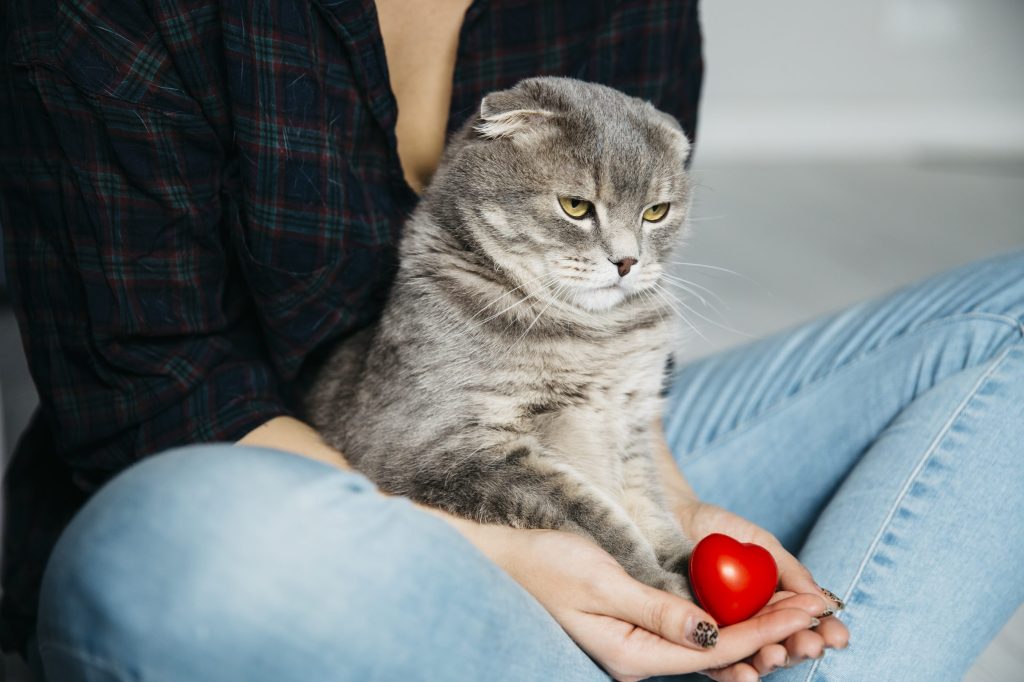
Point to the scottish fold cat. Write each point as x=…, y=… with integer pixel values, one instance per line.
x=515, y=375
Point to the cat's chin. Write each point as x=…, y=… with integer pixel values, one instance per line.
x=598, y=300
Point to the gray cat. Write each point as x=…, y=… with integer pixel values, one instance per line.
x=515, y=374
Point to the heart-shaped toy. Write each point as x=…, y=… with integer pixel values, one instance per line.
x=732, y=580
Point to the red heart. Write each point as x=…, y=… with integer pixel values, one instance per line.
x=731, y=580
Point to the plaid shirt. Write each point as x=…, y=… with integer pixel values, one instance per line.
x=198, y=195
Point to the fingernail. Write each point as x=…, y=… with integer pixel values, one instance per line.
x=839, y=602
x=704, y=635
x=815, y=622
x=826, y=613
x=785, y=663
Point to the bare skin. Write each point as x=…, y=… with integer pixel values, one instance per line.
x=421, y=40
x=631, y=630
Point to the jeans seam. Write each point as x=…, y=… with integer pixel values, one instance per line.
x=1017, y=325
x=918, y=468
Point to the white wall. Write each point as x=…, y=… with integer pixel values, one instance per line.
x=881, y=79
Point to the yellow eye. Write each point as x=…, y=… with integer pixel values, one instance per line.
x=656, y=212
x=573, y=207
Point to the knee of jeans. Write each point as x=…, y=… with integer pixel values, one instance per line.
x=176, y=534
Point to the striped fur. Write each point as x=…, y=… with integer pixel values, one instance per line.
x=514, y=377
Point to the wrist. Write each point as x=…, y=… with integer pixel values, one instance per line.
x=680, y=497
x=492, y=540
x=685, y=509
x=291, y=435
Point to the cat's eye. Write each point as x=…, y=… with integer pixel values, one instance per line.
x=573, y=207
x=655, y=213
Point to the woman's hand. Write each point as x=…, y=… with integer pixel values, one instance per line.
x=633, y=631
x=699, y=519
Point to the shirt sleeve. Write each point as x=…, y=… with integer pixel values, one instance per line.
x=134, y=317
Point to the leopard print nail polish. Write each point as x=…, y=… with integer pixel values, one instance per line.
x=839, y=602
x=705, y=634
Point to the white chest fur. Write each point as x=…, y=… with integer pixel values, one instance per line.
x=622, y=398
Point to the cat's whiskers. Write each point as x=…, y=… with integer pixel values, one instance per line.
x=705, y=318
x=719, y=269
x=568, y=295
x=507, y=293
x=526, y=331
x=473, y=327
x=555, y=293
x=652, y=301
x=662, y=295
x=680, y=281
x=703, y=301
x=634, y=312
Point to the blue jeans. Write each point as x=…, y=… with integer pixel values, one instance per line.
x=883, y=445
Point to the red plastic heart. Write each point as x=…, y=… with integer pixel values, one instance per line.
x=732, y=580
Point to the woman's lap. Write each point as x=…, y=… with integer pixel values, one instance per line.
x=882, y=445
x=879, y=444
x=223, y=563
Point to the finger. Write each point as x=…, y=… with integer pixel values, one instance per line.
x=738, y=672
x=676, y=619
x=781, y=594
x=839, y=605
x=834, y=632
x=805, y=602
x=803, y=645
x=643, y=650
x=794, y=577
x=831, y=629
x=769, y=658
x=744, y=639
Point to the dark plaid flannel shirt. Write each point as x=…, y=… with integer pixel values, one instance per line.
x=197, y=195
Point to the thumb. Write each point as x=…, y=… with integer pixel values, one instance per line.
x=671, y=617
x=795, y=577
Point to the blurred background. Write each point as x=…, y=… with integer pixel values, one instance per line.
x=845, y=149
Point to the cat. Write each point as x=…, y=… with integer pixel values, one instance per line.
x=515, y=374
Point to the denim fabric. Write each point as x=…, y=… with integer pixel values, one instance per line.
x=227, y=563
x=883, y=445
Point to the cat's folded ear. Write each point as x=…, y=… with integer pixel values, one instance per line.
x=671, y=125
x=508, y=114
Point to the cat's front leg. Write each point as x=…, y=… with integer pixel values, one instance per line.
x=616, y=530
x=644, y=500
x=518, y=483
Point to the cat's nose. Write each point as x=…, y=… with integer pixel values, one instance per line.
x=624, y=265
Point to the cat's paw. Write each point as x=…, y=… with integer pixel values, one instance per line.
x=677, y=585
x=679, y=562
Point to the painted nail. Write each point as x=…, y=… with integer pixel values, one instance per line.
x=826, y=613
x=815, y=622
x=839, y=602
x=705, y=635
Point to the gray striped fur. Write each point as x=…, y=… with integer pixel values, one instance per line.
x=513, y=377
